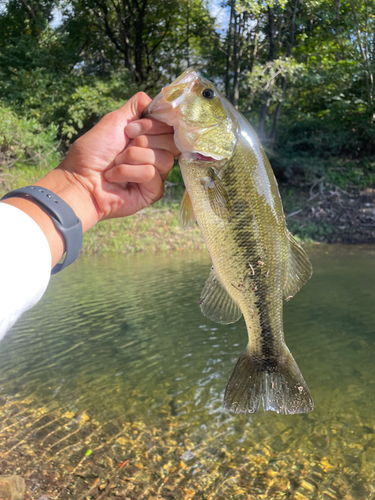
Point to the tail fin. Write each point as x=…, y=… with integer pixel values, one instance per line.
x=280, y=386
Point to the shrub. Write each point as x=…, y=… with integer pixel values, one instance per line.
x=26, y=142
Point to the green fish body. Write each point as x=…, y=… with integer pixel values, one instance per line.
x=256, y=263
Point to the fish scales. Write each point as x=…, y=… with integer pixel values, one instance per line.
x=256, y=262
x=245, y=244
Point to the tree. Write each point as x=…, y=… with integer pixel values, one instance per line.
x=153, y=40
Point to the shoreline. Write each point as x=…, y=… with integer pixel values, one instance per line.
x=331, y=217
x=151, y=229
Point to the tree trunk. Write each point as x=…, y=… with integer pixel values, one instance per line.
x=273, y=134
x=266, y=95
x=126, y=34
x=138, y=49
x=241, y=22
x=235, y=37
x=229, y=52
x=188, y=35
x=252, y=54
x=276, y=117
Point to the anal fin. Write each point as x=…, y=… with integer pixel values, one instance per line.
x=299, y=268
x=216, y=304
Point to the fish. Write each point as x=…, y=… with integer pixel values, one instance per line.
x=232, y=193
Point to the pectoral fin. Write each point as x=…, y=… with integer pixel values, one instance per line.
x=299, y=269
x=187, y=217
x=216, y=304
x=217, y=195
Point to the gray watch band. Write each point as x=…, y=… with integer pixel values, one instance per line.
x=62, y=215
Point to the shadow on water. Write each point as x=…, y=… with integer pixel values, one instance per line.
x=117, y=363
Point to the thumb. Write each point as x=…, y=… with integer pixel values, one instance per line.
x=134, y=107
x=112, y=127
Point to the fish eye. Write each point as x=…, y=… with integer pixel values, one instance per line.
x=208, y=93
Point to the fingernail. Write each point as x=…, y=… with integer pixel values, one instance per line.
x=133, y=129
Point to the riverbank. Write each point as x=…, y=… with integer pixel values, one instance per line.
x=325, y=213
x=320, y=213
x=156, y=228
x=152, y=229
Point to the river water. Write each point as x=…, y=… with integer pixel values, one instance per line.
x=113, y=384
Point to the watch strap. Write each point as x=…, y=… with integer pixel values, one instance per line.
x=62, y=215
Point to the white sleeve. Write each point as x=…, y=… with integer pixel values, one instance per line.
x=25, y=264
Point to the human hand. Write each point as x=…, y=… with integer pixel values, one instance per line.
x=112, y=171
x=118, y=167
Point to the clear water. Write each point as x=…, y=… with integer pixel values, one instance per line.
x=118, y=362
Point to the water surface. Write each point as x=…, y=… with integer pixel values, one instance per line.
x=117, y=363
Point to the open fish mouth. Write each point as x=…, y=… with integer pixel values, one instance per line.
x=202, y=157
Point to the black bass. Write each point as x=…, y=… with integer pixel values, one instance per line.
x=256, y=263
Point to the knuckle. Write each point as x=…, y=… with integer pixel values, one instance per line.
x=121, y=170
x=149, y=172
x=140, y=141
x=168, y=158
x=131, y=153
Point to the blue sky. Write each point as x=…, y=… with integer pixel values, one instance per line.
x=220, y=13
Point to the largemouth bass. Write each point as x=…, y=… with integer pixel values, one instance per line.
x=256, y=263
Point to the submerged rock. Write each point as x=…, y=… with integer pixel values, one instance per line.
x=12, y=488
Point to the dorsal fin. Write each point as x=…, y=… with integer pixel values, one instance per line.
x=187, y=217
x=299, y=269
x=216, y=304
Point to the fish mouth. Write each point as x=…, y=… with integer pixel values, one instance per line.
x=201, y=157
x=195, y=156
x=165, y=100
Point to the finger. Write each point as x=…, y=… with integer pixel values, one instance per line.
x=147, y=126
x=131, y=173
x=152, y=191
x=163, y=160
x=165, y=141
x=134, y=107
x=113, y=125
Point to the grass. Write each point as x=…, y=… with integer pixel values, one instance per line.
x=153, y=229
x=157, y=228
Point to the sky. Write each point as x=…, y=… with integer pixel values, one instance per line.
x=220, y=13
x=217, y=10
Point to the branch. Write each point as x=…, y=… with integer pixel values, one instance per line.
x=31, y=12
x=108, y=29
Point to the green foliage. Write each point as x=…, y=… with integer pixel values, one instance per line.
x=313, y=231
x=25, y=142
x=257, y=7
x=91, y=101
x=310, y=68
x=175, y=175
x=265, y=77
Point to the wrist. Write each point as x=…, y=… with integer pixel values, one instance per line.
x=69, y=187
x=70, y=190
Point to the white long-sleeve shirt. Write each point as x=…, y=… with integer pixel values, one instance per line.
x=25, y=264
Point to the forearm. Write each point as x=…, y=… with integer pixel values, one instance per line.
x=77, y=197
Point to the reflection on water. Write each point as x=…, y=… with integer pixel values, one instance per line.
x=118, y=362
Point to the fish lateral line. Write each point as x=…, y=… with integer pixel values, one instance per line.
x=249, y=274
